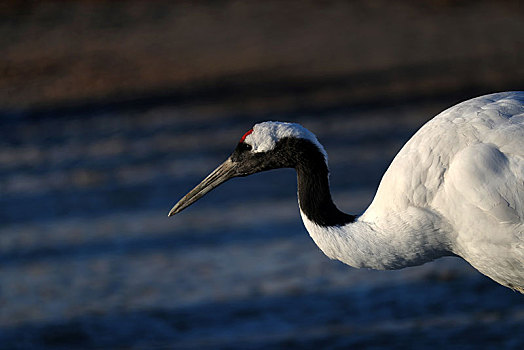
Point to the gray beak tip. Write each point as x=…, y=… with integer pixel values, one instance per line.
x=221, y=174
x=173, y=211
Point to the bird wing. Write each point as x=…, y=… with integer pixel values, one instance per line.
x=488, y=183
x=421, y=168
x=482, y=191
x=487, y=171
x=463, y=174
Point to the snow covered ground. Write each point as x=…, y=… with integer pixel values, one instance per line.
x=89, y=259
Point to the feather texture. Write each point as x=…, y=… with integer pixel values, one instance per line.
x=455, y=188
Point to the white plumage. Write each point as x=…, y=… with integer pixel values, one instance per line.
x=455, y=188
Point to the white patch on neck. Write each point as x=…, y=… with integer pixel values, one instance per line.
x=386, y=244
x=265, y=136
x=355, y=244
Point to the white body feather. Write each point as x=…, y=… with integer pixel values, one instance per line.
x=455, y=188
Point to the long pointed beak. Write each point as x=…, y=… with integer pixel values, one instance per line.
x=224, y=172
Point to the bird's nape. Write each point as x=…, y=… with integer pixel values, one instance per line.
x=221, y=174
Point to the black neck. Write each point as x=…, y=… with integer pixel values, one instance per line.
x=313, y=186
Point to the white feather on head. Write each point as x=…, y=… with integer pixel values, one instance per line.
x=265, y=136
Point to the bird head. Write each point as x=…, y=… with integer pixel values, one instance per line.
x=268, y=145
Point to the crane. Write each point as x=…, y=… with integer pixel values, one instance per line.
x=456, y=188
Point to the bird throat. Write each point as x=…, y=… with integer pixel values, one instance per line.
x=314, y=195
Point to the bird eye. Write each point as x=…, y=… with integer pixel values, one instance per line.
x=242, y=147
